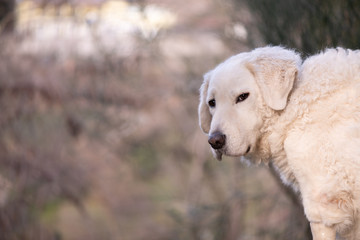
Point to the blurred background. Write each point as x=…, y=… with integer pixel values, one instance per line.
x=99, y=135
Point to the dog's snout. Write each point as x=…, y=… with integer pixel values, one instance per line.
x=217, y=140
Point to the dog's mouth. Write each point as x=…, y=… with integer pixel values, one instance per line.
x=220, y=152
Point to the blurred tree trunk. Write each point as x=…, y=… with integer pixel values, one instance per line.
x=7, y=16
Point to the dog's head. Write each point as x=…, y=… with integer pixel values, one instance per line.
x=233, y=93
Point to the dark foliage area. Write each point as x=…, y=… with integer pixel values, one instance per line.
x=7, y=16
x=308, y=26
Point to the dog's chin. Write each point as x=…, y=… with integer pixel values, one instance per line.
x=218, y=153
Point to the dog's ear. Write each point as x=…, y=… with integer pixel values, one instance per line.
x=204, y=113
x=275, y=70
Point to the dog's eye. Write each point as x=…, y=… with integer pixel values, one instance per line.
x=242, y=97
x=212, y=103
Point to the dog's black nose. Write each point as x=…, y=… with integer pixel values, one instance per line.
x=217, y=140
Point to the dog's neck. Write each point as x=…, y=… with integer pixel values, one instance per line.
x=270, y=145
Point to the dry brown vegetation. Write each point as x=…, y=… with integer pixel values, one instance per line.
x=108, y=146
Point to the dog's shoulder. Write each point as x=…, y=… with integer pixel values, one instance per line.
x=329, y=71
x=322, y=76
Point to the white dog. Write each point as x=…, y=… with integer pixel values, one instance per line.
x=266, y=105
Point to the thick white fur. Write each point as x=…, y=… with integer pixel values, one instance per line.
x=305, y=117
